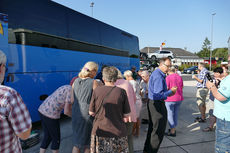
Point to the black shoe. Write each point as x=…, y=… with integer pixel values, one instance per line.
x=144, y=121
x=171, y=134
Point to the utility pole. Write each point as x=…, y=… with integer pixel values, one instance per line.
x=91, y=5
x=210, y=65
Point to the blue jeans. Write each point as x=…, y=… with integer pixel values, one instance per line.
x=222, y=136
x=172, y=109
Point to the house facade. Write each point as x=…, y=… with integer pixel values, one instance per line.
x=181, y=56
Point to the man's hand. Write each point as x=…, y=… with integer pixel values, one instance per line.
x=174, y=89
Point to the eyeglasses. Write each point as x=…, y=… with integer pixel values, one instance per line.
x=168, y=66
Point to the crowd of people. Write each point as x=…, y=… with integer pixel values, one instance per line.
x=107, y=108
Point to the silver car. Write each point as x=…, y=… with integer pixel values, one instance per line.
x=160, y=54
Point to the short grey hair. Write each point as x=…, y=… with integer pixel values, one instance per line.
x=128, y=73
x=2, y=57
x=163, y=60
x=110, y=74
x=202, y=64
x=172, y=69
x=119, y=74
x=145, y=73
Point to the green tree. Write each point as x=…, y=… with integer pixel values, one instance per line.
x=205, y=52
x=220, y=53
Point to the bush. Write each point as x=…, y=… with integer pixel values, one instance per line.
x=212, y=67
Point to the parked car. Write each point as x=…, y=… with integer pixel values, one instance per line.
x=160, y=54
x=191, y=70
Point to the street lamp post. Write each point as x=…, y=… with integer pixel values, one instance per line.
x=91, y=5
x=210, y=65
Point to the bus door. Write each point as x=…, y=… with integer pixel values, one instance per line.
x=4, y=34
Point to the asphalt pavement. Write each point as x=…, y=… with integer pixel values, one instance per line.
x=190, y=137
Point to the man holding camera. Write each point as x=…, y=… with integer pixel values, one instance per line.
x=202, y=91
x=222, y=113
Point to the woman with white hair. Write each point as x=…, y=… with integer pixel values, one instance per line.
x=81, y=122
x=128, y=76
x=144, y=95
x=124, y=84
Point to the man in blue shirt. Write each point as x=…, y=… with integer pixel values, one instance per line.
x=202, y=91
x=157, y=93
x=222, y=113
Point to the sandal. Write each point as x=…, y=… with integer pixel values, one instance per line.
x=207, y=129
x=197, y=118
x=201, y=120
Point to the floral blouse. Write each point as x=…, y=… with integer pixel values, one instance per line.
x=54, y=104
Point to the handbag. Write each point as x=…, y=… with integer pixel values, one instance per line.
x=100, y=106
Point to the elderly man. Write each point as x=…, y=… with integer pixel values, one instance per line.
x=202, y=91
x=157, y=93
x=222, y=113
x=15, y=121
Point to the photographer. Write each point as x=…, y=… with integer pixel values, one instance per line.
x=222, y=111
x=218, y=76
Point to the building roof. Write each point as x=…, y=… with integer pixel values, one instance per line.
x=178, y=52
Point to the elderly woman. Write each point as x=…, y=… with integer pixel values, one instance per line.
x=49, y=112
x=128, y=76
x=110, y=107
x=81, y=122
x=144, y=96
x=173, y=103
x=124, y=84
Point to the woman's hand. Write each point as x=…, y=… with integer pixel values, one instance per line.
x=91, y=113
x=127, y=118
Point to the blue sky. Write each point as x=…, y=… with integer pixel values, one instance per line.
x=180, y=23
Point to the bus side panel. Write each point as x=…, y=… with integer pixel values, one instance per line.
x=33, y=86
x=39, y=71
x=135, y=62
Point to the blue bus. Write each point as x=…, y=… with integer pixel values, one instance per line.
x=47, y=44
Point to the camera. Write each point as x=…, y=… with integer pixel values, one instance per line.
x=209, y=77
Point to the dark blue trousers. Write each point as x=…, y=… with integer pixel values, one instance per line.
x=157, y=124
x=51, y=128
